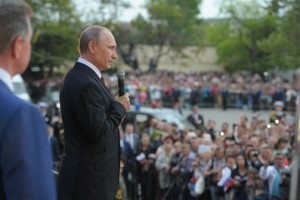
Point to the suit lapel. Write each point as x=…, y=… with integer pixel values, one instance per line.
x=4, y=86
x=93, y=75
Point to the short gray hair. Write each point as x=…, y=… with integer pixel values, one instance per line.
x=14, y=22
x=91, y=33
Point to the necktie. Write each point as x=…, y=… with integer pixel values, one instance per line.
x=102, y=80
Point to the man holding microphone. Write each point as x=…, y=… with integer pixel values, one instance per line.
x=91, y=117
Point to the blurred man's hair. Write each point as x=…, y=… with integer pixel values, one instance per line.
x=14, y=22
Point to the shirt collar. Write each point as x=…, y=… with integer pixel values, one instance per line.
x=90, y=65
x=6, y=78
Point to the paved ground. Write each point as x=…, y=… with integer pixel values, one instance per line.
x=231, y=115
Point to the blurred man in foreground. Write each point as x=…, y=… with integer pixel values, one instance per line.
x=25, y=159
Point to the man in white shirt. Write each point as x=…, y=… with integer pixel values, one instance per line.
x=273, y=174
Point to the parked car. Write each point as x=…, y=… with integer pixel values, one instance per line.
x=142, y=117
x=20, y=88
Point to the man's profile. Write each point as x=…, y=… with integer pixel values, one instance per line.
x=91, y=116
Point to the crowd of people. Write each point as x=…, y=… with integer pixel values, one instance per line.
x=95, y=158
x=250, y=159
x=209, y=89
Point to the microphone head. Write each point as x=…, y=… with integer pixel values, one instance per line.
x=120, y=73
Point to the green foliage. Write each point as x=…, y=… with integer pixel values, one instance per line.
x=56, y=30
x=172, y=24
x=256, y=37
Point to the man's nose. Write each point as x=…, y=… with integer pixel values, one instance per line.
x=115, y=55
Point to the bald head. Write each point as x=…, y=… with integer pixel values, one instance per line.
x=92, y=33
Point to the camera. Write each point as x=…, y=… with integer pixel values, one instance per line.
x=285, y=180
x=254, y=153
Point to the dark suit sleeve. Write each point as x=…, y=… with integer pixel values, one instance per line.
x=97, y=115
x=25, y=157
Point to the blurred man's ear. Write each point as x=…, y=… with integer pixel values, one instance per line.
x=16, y=47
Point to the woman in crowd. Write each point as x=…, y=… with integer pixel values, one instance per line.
x=162, y=165
x=239, y=175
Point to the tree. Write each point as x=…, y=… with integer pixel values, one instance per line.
x=54, y=42
x=257, y=37
x=172, y=24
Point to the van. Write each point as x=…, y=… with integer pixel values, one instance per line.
x=20, y=88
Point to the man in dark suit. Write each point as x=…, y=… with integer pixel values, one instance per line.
x=91, y=116
x=195, y=118
x=128, y=158
x=132, y=138
x=25, y=158
x=43, y=106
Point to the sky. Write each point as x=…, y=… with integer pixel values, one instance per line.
x=209, y=8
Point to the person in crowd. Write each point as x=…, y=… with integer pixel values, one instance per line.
x=195, y=118
x=206, y=168
x=253, y=188
x=194, y=142
x=225, y=130
x=253, y=159
x=266, y=155
x=174, y=162
x=54, y=147
x=152, y=126
x=91, y=117
x=224, y=97
x=184, y=169
x=211, y=129
x=256, y=97
x=218, y=165
x=166, y=140
x=25, y=157
x=239, y=175
x=146, y=168
x=43, y=106
x=282, y=146
x=225, y=183
x=128, y=162
x=278, y=113
x=273, y=175
x=162, y=165
x=132, y=138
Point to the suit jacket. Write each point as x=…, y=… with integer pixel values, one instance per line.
x=197, y=123
x=25, y=158
x=126, y=150
x=54, y=148
x=127, y=154
x=136, y=142
x=91, y=116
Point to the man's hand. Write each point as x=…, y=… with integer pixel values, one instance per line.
x=124, y=100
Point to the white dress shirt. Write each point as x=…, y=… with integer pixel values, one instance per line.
x=6, y=78
x=129, y=138
x=90, y=65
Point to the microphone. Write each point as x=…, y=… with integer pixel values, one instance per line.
x=121, y=75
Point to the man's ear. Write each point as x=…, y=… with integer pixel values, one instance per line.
x=16, y=47
x=92, y=47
